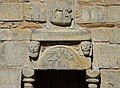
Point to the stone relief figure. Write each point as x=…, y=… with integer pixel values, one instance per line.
x=86, y=48
x=61, y=14
x=62, y=57
x=34, y=47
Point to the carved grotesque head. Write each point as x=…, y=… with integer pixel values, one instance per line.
x=61, y=13
x=85, y=47
x=34, y=49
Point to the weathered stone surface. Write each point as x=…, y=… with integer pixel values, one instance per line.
x=101, y=35
x=110, y=78
x=2, y=53
x=61, y=35
x=90, y=14
x=106, y=55
x=15, y=53
x=62, y=57
x=5, y=34
x=10, y=78
x=11, y=12
x=35, y=12
x=19, y=34
x=98, y=2
x=115, y=36
x=60, y=12
x=15, y=34
x=113, y=13
x=92, y=73
x=11, y=1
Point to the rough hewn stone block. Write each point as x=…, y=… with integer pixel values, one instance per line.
x=100, y=35
x=35, y=12
x=11, y=12
x=2, y=53
x=15, y=53
x=15, y=34
x=110, y=78
x=115, y=36
x=20, y=34
x=106, y=55
x=113, y=13
x=90, y=14
x=60, y=35
x=10, y=78
x=98, y=2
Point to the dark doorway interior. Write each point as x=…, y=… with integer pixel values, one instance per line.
x=60, y=79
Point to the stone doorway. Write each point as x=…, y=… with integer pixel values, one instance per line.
x=60, y=79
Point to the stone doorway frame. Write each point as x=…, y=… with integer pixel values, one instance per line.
x=80, y=61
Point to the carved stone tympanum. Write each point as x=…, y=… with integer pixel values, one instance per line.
x=62, y=57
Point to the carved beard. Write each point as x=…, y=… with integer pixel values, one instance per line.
x=33, y=54
x=86, y=52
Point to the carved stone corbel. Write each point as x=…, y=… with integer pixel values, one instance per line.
x=34, y=47
x=28, y=79
x=86, y=47
x=93, y=78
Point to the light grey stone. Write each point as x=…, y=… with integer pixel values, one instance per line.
x=19, y=34
x=100, y=35
x=90, y=14
x=15, y=34
x=11, y=12
x=2, y=60
x=10, y=78
x=60, y=13
x=115, y=36
x=62, y=57
x=110, y=78
x=16, y=53
x=5, y=34
x=106, y=55
x=98, y=2
x=113, y=13
x=60, y=35
x=34, y=47
x=35, y=12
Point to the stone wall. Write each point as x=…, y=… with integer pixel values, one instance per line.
x=61, y=23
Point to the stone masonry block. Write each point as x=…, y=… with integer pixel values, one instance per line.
x=113, y=13
x=16, y=53
x=110, y=78
x=106, y=55
x=115, y=36
x=60, y=35
x=15, y=34
x=2, y=53
x=11, y=12
x=101, y=35
x=10, y=78
x=90, y=14
x=35, y=12
x=98, y=2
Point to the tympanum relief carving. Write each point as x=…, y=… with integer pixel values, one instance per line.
x=61, y=56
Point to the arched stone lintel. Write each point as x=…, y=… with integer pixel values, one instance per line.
x=63, y=57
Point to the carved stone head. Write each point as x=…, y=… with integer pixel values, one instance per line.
x=86, y=47
x=61, y=13
x=34, y=47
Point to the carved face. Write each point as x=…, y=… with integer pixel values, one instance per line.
x=61, y=14
x=86, y=46
x=34, y=48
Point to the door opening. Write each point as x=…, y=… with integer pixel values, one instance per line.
x=60, y=79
